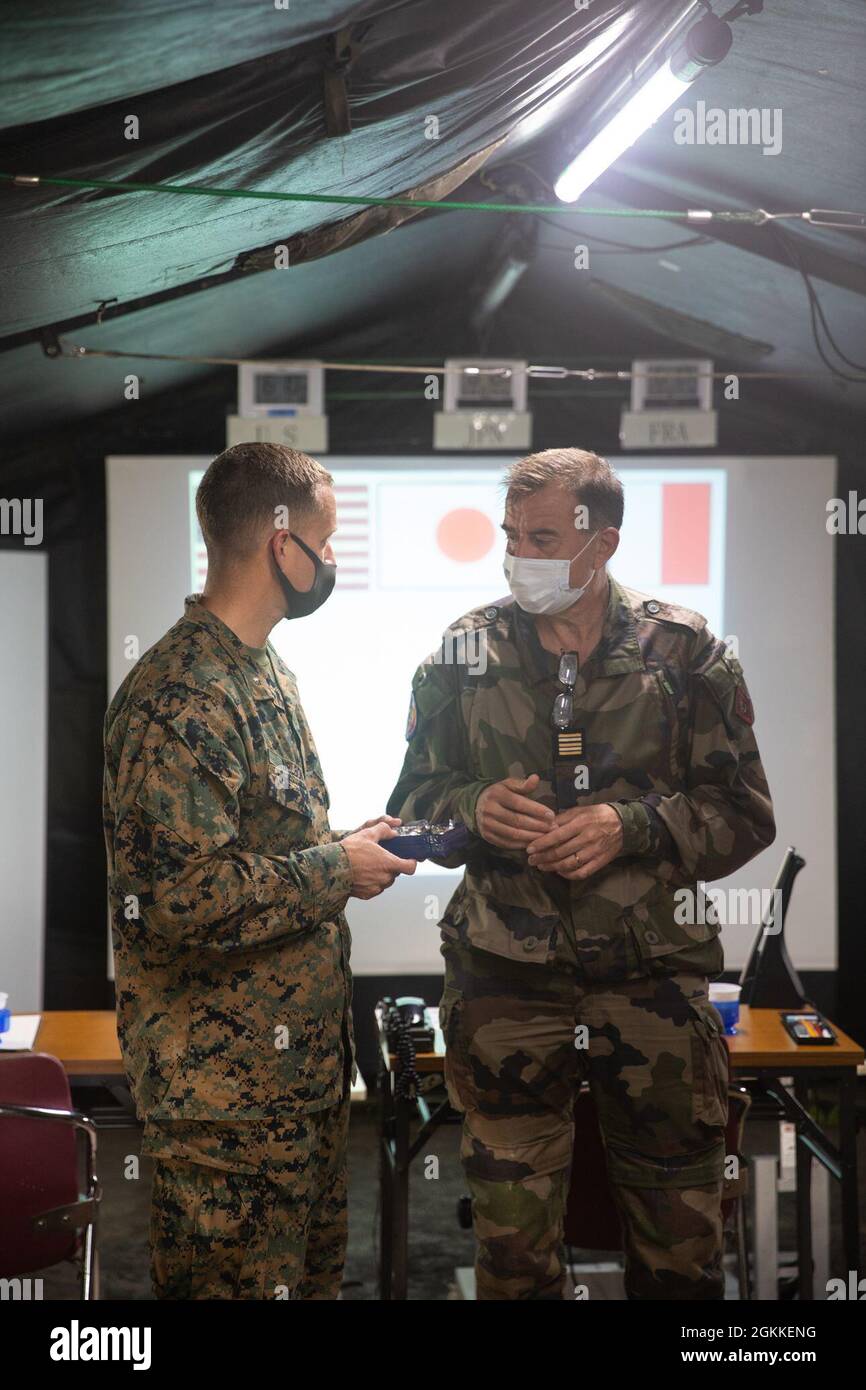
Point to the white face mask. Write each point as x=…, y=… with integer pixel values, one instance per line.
x=541, y=586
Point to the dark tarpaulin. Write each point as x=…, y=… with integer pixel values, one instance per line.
x=259, y=123
x=64, y=55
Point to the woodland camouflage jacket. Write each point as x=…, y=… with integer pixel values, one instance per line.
x=669, y=741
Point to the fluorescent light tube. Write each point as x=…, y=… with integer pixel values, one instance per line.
x=705, y=44
x=648, y=103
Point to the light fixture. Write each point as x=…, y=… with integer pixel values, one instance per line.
x=280, y=403
x=484, y=405
x=671, y=405
x=706, y=43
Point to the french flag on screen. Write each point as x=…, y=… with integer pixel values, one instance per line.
x=672, y=543
x=685, y=534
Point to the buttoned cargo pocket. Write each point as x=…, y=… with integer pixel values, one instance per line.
x=509, y=915
x=655, y=931
x=535, y=1164
x=215, y=754
x=286, y=786
x=189, y=792
x=647, y=940
x=459, y=1080
x=648, y=953
x=709, y=1065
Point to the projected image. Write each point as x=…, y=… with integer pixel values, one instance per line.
x=415, y=549
x=672, y=543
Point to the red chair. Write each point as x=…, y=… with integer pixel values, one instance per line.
x=591, y=1218
x=44, y=1217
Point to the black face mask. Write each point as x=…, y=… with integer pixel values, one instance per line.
x=299, y=603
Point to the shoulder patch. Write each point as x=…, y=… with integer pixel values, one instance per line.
x=743, y=707
x=412, y=721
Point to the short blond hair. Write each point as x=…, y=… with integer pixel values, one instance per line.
x=588, y=477
x=242, y=489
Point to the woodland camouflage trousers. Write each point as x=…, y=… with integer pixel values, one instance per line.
x=655, y=1060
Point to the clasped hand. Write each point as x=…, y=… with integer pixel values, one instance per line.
x=574, y=844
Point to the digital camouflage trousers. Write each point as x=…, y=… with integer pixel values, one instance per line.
x=276, y=1230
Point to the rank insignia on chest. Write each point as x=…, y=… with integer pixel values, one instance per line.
x=568, y=745
x=412, y=721
x=570, y=772
x=743, y=706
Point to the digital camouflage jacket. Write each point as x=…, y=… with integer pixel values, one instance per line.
x=226, y=886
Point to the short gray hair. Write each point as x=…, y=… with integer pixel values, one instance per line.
x=588, y=477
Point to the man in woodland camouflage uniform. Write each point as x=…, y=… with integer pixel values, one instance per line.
x=227, y=890
x=566, y=957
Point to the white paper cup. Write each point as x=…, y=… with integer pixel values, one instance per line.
x=725, y=992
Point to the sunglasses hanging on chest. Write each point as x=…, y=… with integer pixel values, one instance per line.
x=570, y=772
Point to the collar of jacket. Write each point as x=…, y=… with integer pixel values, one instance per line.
x=253, y=661
x=617, y=653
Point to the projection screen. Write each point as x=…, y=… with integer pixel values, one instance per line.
x=742, y=540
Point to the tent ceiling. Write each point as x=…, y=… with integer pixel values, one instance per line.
x=231, y=94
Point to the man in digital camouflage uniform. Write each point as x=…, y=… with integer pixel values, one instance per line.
x=564, y=956
x=227, y=891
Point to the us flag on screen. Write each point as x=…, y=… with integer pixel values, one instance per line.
x=351, y=544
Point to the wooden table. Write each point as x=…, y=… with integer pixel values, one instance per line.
x=85, y=1041
x=761, y=1041
x=761, y=1054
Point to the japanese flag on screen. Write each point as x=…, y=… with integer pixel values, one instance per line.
x=439, y=535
